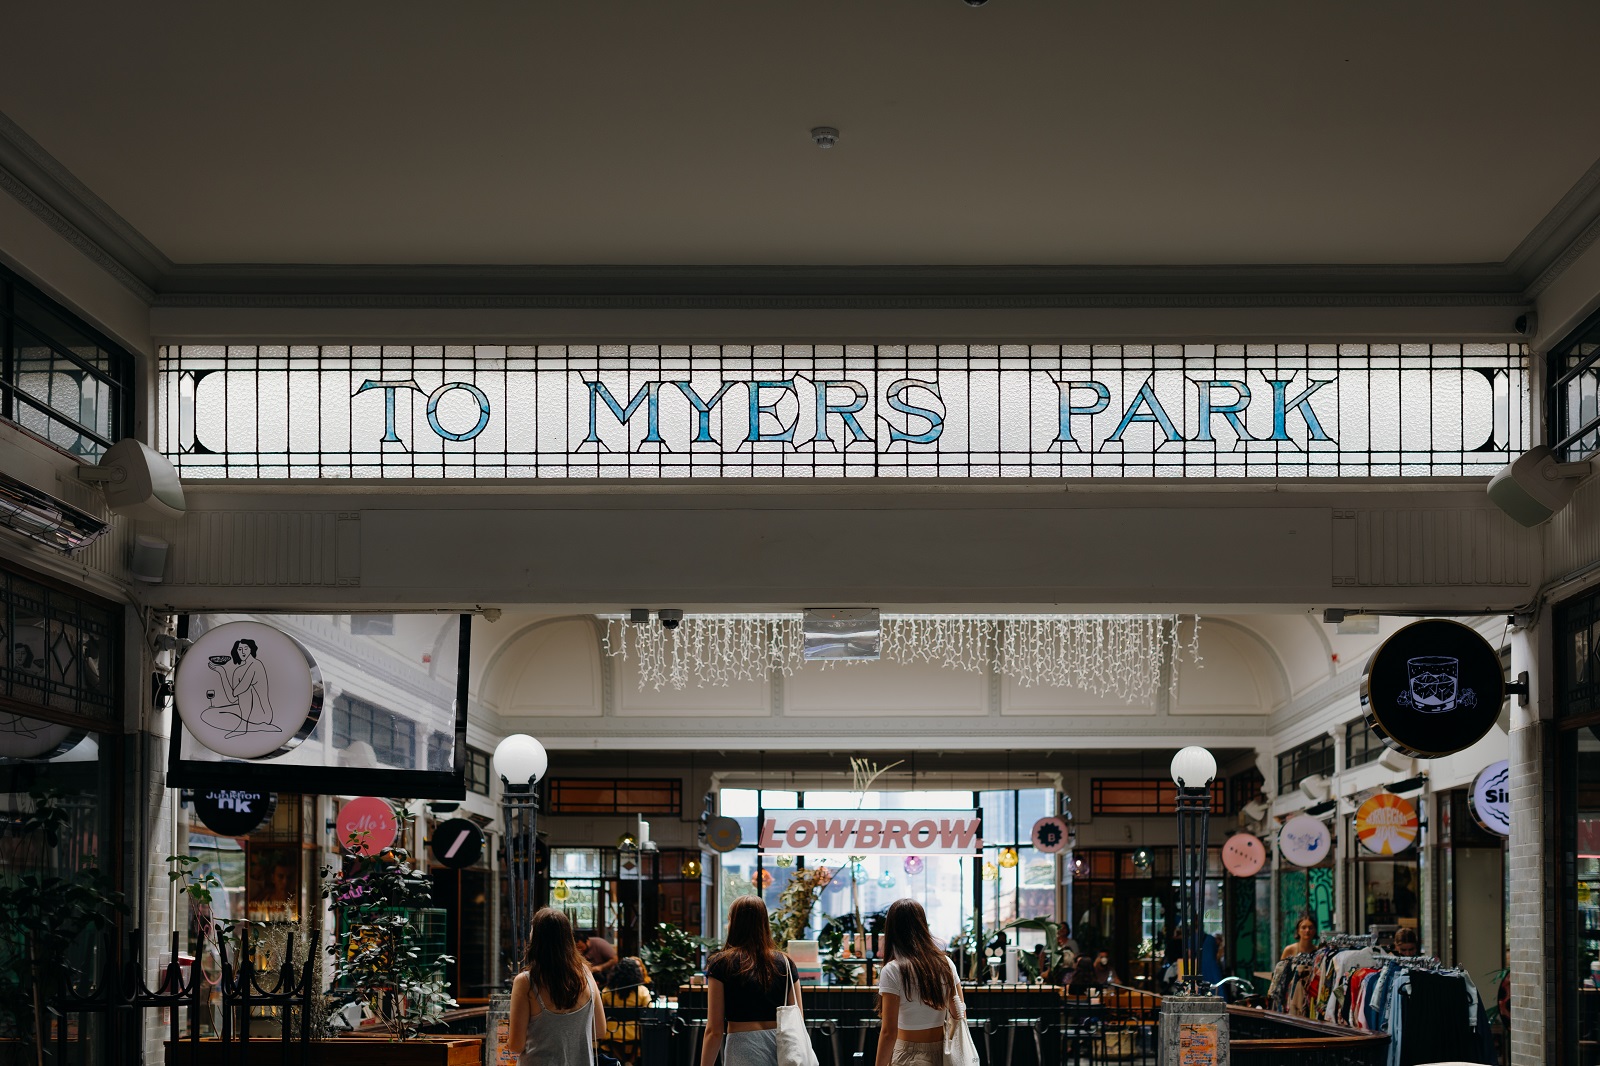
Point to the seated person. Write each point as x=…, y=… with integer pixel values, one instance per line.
x=598, y=953
x=626, y=990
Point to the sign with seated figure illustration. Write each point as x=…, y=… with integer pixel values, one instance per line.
x=248, y=690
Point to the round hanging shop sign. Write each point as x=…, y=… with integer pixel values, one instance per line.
x=1304, y=840
x=233, y=812
x=372, y=817
x=248, y=690
x=29, y=738
x=457, y=843
x=1433, y=688
x=723, y=833
x=1490, y=798
x=1243, y=854
x=1386, y=824
x=1051, y=835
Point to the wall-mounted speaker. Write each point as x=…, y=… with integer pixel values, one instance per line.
x=148, y=560
x=137, y=480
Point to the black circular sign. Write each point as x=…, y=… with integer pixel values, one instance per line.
x=233, y=812
x=457, y=843
x=1433, y=688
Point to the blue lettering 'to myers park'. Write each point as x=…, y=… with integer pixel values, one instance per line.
x=839, y=401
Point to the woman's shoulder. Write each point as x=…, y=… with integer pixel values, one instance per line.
x=520, y=981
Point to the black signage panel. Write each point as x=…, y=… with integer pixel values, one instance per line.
x=1433, y=688
x=233, y=812
x=457, y=843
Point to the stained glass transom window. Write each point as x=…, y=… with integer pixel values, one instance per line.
x=842, y=411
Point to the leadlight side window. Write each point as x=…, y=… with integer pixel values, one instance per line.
x=1315, y=756
x=60, y=379
x=842, y=411
x=393, y=736
x=1572, y=404
x=61, y=652
x=1361, y=744
x=607, y=795
x=1134, y=796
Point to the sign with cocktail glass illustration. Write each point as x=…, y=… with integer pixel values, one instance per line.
x=248, y=690
x=1433, y=688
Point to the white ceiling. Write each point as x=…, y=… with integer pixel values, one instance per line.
x=1022, y=132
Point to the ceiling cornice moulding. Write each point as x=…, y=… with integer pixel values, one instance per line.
x=55, y=195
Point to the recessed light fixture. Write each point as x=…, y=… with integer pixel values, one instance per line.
x=825, y=136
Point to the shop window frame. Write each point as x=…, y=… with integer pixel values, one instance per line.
x=1310, y=757
x=625, y=796
x=1576, y=623
x=1371, y=745
x=1150, y=796
x=345, y=707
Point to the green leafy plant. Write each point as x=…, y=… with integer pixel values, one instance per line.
x=796, y=901
x=1052, y=945
x=42, y=917
x=830, y=945
x=198, y=887
x=673, y=957
x=378, y=960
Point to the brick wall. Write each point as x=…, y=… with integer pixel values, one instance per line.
x=1533, y=870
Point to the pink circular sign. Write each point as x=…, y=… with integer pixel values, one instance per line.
x=1243, y=854
x=372, y=817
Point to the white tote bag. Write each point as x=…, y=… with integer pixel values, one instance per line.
x=959, y=1050
x=794, y=1042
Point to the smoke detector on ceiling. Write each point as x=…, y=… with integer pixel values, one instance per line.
x=825, y=136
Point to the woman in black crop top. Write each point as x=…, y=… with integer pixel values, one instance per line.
x=747, y=981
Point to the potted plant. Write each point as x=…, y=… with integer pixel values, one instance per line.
x=379, y=961
x=42, y=915
x=673, y=957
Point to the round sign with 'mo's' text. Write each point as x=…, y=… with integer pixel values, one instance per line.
x=367, y=826
x=1433, y=688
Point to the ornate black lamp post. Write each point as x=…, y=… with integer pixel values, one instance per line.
x=1193, y=770
x=520, y=761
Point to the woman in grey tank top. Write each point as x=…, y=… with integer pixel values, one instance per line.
x=556, y=1015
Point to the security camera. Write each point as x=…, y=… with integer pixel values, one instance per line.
x=670, y=617
x=1526, y=325
x=1535, y=486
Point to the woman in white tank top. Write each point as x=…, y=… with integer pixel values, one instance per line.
x=919, y=988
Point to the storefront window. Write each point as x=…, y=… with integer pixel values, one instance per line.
x=1577, y=656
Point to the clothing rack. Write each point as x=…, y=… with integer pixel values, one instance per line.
x=1346, y=941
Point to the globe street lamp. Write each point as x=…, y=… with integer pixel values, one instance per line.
x=520, y=761
x=1193, y=770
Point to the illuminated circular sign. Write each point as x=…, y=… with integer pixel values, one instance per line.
x=1304, y=840
x=30, y=738
x=248, y=690
x=456, y=843
x=1490, y=798
x=1386, y=824
x=1243, y=854
x=369, y=819
x=1433, y=688
x=233, y=812
x=1051, y=835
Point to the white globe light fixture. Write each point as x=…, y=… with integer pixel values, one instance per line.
x=520, y=761
x=1194, y=767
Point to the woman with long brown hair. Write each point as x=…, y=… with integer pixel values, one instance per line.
x=747, y=981
x=556, y=1016
x=919, y=989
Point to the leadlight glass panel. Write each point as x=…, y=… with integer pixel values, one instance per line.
x=61, y=651
x=1315, y=756
x=842, y=411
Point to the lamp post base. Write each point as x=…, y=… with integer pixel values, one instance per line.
x=1194, y=1031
